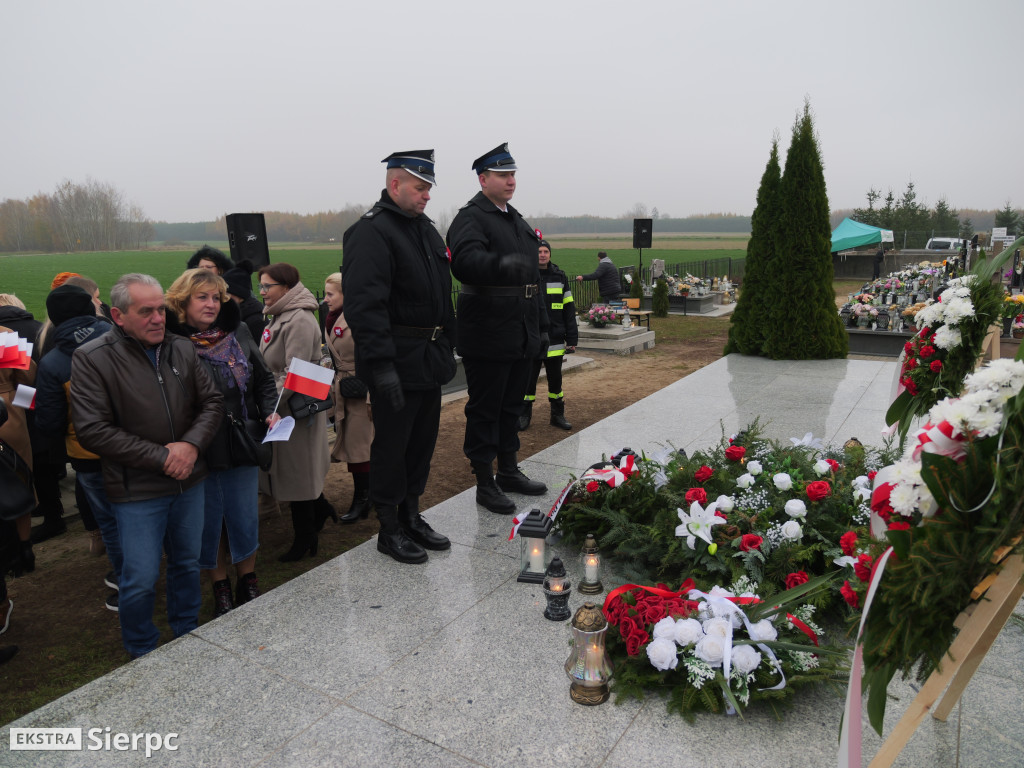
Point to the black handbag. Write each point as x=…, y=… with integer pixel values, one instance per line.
x=303, y=406
x=18, y=497
x=352, y=387
x=245, y=441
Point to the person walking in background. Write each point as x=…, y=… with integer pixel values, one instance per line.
x=879, y=259
x=609, y=286
x=200, y=311
x=75, y=323
x=300, y=464
x=141, y=401
x=503, y=326
x=353, y=425
x=398, y=287
x=554, y=286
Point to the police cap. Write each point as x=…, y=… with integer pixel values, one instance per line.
x=418, y=162
x=498, y=159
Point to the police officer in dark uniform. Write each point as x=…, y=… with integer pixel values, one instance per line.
x=561, y=309
x=502, y=326
x=398, y=304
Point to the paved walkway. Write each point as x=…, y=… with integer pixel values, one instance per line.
x=366, y=662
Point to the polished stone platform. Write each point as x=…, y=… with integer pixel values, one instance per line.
x=366, y=662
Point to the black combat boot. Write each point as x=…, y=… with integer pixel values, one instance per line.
x=360, y=508
x=222, y=600
x=393, y=540
x=526, y=415
x=511, y=479
x=558, y=415
x=488, y=495
x=417, y=529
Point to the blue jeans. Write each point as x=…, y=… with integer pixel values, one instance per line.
x=148, y=528
x=92, y=484
x=231, y=502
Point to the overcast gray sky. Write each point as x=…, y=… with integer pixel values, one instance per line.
x=198, y=108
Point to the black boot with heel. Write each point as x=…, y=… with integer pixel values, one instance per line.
x=360, y=508
x=305, y=535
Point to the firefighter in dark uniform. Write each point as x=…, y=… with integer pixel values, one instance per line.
x=398, y=305
x=502, y=326
x=554, y=287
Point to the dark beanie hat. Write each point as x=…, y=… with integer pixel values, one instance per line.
x=544, y=244
x=239, y=279
x=68, y=301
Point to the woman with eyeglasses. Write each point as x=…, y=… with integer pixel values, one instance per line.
x=300, y=464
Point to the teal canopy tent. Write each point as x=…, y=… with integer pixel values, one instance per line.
x=853, y=234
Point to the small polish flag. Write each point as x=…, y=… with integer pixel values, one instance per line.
x=25, y=397
x=309, y=379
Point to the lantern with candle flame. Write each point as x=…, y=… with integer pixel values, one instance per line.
x=588, y=666
x=590, y=557
x=556, y=589
x=533, y=554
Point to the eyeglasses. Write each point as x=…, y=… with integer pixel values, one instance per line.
x=264, y=287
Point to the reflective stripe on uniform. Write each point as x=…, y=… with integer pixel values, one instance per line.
x=553, y=288
x=556, y=350
x=556, y=395
x=567, y=297
x=529, y=398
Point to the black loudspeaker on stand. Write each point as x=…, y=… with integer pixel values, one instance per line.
x=642, y=231
x=247, y=238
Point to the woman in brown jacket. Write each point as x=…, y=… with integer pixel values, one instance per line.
x=353, y=425
x=300, y=464
x=15, y=432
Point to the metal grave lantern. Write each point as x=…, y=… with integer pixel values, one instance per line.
x=556, y=591
x=590, y=559
x=533, y=554
x=588, y=665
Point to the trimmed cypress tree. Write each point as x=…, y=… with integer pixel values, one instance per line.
x=803, y=323
x=659, y=298
x=747, y=324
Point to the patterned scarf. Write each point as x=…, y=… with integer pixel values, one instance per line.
x=223, y=352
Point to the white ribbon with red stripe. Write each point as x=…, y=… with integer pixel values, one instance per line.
x=613, y=476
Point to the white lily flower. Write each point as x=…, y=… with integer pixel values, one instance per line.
x=698, y=523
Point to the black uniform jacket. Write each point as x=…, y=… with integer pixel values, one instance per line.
x=493, y=248
x=395, y=277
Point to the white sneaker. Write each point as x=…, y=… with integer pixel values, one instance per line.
x=7, y=617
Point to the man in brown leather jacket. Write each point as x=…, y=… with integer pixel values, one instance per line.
x=142, y=402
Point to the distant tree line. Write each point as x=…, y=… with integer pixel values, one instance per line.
x=93, y=216
x=913, y=223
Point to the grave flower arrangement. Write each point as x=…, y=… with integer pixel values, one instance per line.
x=715, y=651
x=600, y=315
x=749, y=508
x=953, y=499
x=949, y=340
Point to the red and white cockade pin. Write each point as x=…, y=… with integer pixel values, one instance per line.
x=266, y=335
x=339, y=332
x=540, y=235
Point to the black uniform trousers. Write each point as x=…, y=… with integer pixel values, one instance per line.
x=403, y=445
x=496, y=391
x=553, y=367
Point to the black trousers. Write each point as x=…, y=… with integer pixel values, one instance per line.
x=553, y=366
x=496, y=391
x=403, y=445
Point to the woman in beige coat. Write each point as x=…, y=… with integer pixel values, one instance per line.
x=353, y=426
x=300, y=465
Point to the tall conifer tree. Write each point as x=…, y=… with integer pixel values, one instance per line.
x=747, y=324
x=803, y=323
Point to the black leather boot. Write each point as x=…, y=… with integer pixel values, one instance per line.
x=526, y=415
x=24, y=560
x=248, y=588
x=222, y=600
x=488, y=494
x=360, y=508
x=417, y=528
x=393, y=540
x=511, y=479
x=322, y=510
x=305, y=536
x=558, y=415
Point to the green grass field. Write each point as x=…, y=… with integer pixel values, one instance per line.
x=29, y=275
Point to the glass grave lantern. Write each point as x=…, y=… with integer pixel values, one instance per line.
x=590, y=559
x=533, y=554
x=588, y=665
x=556, y=590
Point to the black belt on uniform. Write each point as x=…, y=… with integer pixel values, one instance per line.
x=523, y=291
x=417, y=333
